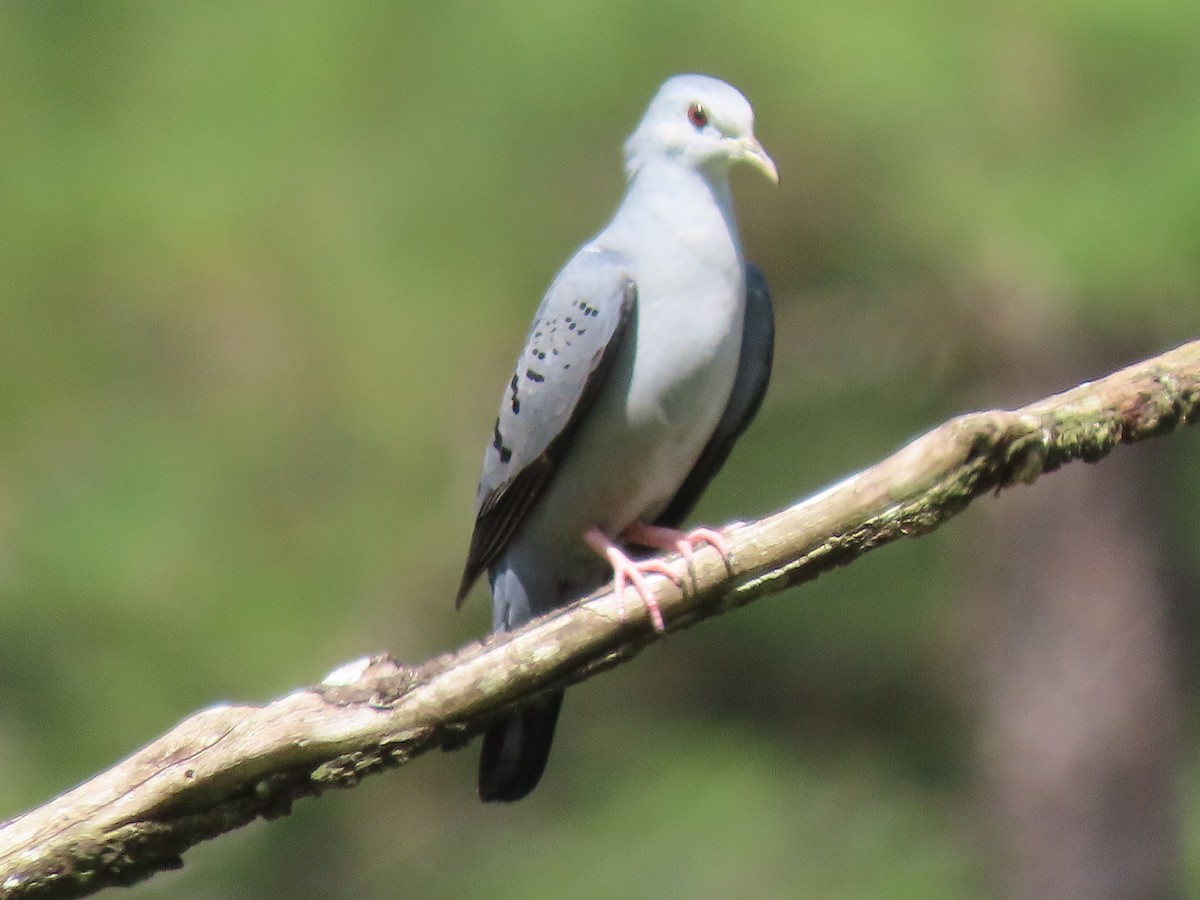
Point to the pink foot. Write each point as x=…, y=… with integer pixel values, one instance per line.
x=631, y=572
x=684, y=543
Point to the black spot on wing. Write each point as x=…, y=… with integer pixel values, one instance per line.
x=586, y=308
x=498, y=441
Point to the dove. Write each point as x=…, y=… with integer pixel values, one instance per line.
x=646, y=360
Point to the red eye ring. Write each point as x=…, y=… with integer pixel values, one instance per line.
x=697, y=115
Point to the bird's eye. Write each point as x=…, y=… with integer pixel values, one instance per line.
x=698, y=115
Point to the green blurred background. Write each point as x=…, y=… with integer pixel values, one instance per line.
x=263, y=271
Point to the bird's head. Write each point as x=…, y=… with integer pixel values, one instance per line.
x=701, y=122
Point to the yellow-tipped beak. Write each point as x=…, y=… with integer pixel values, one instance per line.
x=753, y=153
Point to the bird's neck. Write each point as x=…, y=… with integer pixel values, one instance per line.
x=665, y=195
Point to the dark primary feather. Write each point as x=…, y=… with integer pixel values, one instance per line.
x=754, y=371
x=569, y=351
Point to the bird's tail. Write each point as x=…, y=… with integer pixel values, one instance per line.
x=515, y=750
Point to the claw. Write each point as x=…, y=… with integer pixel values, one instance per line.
x=683, y=543
x=629, y=572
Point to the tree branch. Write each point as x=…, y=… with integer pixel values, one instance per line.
x=222, y=767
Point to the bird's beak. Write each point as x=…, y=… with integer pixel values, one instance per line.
x=753, y=153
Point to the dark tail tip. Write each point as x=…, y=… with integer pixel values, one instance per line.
x=515, y=751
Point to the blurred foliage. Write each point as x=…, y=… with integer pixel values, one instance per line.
x=263, y=271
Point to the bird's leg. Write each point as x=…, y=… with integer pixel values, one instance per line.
x=627, y=571
x=660, y=537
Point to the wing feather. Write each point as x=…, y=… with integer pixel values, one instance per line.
x=569, y=351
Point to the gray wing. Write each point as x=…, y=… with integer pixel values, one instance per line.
x=754, y=371
x=569, y=351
